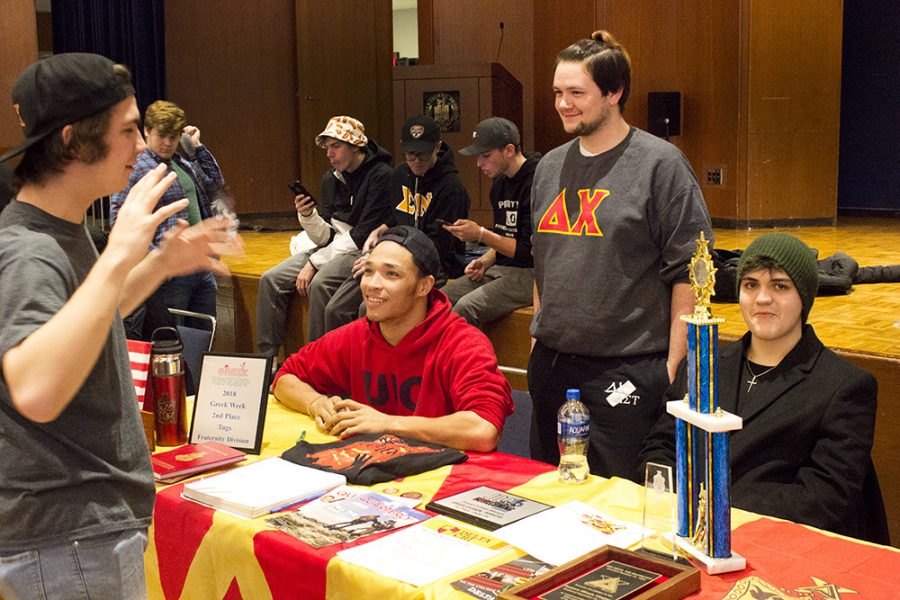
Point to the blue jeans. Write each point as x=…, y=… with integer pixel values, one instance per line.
x=195, y=292
x=97, y=568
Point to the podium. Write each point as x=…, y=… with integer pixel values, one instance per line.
x=458, y=97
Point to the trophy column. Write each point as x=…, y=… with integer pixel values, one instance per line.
x=702, y=445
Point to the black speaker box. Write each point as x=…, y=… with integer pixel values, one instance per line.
x=660, y=107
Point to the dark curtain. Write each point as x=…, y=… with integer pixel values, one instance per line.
x=868, y=177
x=131, y=32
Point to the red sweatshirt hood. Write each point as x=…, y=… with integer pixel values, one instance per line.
x=436, y=322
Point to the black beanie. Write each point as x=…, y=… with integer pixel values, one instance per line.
x=791, y=256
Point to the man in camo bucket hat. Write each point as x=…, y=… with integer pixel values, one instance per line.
x=353, y=200
x=345, y=129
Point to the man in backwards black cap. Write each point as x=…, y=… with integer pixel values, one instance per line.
x=501, y=280
x=410, y=368
x=76, y=487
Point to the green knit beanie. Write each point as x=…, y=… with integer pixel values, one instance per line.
x=791, y=256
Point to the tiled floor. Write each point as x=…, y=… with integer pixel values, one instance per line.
x=866, y=320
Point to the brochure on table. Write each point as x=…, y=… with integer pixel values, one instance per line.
x=425, y=552
x=346, y=514
x=486, y=584
x=230, y=407
x=566, y=532
x=487, y=507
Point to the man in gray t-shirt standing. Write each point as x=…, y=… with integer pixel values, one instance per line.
x=615, y=213
x=76, y=487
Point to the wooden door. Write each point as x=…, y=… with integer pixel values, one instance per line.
x=344, y=68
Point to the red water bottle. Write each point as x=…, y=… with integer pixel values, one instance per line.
x=167, y=383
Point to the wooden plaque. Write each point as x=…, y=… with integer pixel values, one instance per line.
x=682, y=580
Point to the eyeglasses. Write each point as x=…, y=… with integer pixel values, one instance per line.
x=414, y=156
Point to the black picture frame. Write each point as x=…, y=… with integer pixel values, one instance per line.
x=209, y=426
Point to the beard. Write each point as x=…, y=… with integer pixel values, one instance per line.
x=585, y=128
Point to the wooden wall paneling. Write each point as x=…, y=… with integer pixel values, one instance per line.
x=743, y=121
x=468, y=32
x=340, y=65
x=425, y=13
x=231, y=66
x=692, y=48
x=557, y=23
x=384, y=49
x=19, y=48
x=794, y=109
x=709, y=80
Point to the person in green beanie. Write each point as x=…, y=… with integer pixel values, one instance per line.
x=804, y=452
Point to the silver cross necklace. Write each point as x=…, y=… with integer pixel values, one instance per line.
x=754, y=376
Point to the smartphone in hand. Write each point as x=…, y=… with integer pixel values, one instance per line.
x=300, y=190
x=442, y=222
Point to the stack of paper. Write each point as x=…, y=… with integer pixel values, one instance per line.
x=425, y=552
x=263, y=487
x=560, y=534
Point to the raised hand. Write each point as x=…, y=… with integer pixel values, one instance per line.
x=186, y=249
x=137, y=222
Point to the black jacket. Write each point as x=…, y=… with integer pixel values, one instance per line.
x=804, y=452
x=439, y=194
x=362, y=199
x=511, y=201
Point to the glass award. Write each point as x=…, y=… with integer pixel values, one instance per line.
x=659, y=512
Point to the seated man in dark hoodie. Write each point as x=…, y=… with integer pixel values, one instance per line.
x=426, y=192
x=502, y=279
x=354, y=201
x=803, y=453
x=410, y=368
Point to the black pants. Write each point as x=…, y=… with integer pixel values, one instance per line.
x=617, y=432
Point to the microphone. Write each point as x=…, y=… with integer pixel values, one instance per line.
x=500, y=45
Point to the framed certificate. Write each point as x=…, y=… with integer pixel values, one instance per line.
x=230, y=407
x=611, y=573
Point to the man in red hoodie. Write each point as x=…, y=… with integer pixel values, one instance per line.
x=410, y=367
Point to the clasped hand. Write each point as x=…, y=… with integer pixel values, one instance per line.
x=344, y=418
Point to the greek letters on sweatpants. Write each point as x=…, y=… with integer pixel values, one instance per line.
x=622, y=395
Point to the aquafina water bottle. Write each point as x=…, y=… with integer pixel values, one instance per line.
x=572, y=427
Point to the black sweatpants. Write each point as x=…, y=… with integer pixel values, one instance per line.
x=616, y=432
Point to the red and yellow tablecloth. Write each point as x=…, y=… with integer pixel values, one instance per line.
x=198, y=553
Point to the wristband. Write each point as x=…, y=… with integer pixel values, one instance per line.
x=310, y=405
x=481, y=234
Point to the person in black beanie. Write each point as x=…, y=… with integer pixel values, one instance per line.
x=804, y=452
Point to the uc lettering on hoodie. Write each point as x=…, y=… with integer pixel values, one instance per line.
x=407, y=393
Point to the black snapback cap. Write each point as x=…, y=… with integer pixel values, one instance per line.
x=63, y=89
x=423, y=250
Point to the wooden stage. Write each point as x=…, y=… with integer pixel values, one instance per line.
x=866, y=320
x=864, y=326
